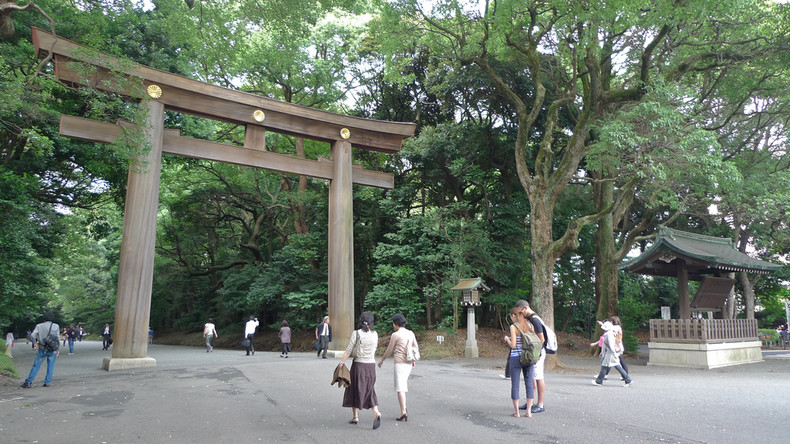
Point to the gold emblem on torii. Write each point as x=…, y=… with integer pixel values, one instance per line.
x=154, y=91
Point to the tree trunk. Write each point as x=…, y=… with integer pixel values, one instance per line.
x=728, y=312
x=543, y=262
x=606, y=260
x=748, y=293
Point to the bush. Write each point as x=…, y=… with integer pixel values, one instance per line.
x=768, y=334
x=7, y=367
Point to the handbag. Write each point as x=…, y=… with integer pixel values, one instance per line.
x=357, y=350
x=412, y=352
x=245, y=343
x=316, y=345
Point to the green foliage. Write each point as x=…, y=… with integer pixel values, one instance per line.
x=397, y=292
x=28, y=238
x=768, y=334
x=7, y=367
x=705, y=125
x=636, y=308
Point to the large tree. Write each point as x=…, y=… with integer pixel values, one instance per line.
x=719, y=86
x=583, y=62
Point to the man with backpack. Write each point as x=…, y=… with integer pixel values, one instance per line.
x=45, y=339
x=540, y=331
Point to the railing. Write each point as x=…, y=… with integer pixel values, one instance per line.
x=703, y=330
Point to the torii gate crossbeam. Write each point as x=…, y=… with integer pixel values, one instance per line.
x=168, y=91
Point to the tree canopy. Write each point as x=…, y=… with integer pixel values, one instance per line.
x=553, y=138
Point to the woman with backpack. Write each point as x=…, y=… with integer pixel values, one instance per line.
x=517, y=329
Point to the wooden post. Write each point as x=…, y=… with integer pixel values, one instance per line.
x=683, y=291
x=136, y=266
x=341, y=247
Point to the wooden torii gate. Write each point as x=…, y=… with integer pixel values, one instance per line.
x=166, y=91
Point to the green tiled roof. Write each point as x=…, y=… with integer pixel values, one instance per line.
x=703, y=254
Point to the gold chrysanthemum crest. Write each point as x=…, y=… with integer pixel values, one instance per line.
x=154, y=91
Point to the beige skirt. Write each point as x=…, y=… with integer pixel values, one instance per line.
x=402, y=372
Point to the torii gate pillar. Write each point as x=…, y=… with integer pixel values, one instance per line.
x=136, y=266
x=341, y=247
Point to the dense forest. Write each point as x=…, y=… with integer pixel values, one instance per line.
x=553, y=138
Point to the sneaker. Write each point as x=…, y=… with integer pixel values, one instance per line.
x=594, y=382
x=45, y=385
x=26, y=385
x=538, y=409
x=523, y=407
x=627, y=384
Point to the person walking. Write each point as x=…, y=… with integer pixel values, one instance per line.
x=45, y=339
x=517, y=369
x=105, y=335
x=285, y=339
x=249, y=334
x=209, y=333
x=540, y=383
x=617, y=329
x=9, y=344
x=323, y=333
x=362, y=392
x=400, y=341
x=80, y=334
x=71, y=335
x=610, y=357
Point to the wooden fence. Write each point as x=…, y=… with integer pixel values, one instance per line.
x=703, y=330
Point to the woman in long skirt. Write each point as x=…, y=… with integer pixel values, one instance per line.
x=362, y=392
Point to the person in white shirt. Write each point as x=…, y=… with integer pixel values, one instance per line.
x=362, y=392
x=9, y=343
x=323, y=333
x=249, y=333
x=209, y=332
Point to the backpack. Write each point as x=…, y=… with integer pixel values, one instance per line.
x=51, y=342
x=551, y=337
x=530, y=347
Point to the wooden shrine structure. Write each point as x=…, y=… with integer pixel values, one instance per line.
x=159, y=91
x=700, y=343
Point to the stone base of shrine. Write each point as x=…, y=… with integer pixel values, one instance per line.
x=471, y=350
x=111, y=364
x=704, y=355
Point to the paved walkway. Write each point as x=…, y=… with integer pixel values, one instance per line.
x=198, y=397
